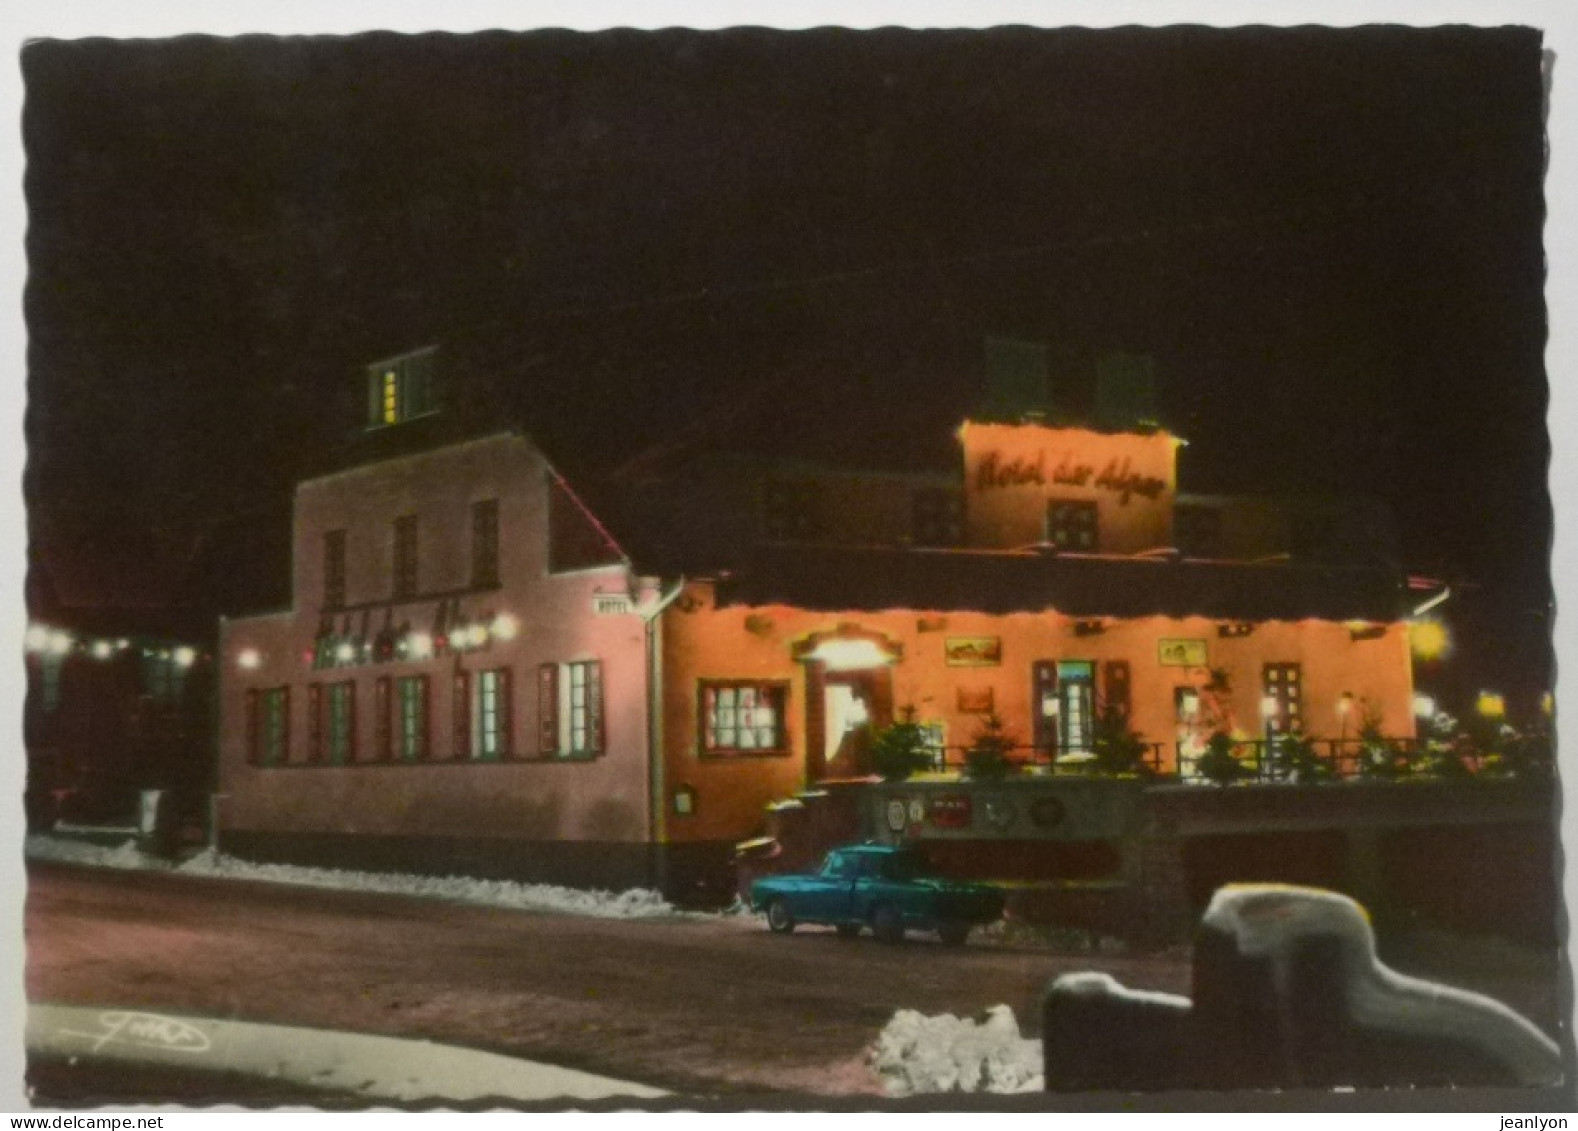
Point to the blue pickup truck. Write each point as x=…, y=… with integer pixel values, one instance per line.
x=881, y=887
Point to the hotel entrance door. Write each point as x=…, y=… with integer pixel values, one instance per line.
x=844, y=711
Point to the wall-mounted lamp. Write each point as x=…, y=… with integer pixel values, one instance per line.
x=1234, y=629
x=1089, y=627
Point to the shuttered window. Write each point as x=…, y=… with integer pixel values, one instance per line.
x=400, y=389
x=491, y=715
x=412, y=720
x=570, y=709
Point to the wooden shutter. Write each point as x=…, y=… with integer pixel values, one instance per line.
x=254, y=731
x=284, y=724
x=1115, y=686
x=461, y=718
x=1043, y=686
x=594, y=706
x=503, y=704
x=314, y=722
x=548, y=709
x=382, y=724
x=350, y=723
x=375, y=396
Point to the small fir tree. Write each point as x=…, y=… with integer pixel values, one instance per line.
x=901, y=749
x=1381, y=757
x=988, y=757
x=1295, y=759
x=1118, y=749
x=1218, y=764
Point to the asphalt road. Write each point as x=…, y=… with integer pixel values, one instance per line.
x=708, y=1006
x=701, y=1006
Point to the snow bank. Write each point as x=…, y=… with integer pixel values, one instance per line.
x=917, y=1054
x=637, y=903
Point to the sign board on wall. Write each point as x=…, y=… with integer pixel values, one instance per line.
x=612, y=604
x=1181, y=653
x=973, y=651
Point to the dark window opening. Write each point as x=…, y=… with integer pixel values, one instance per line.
x=405, y=560
x=1072, y=525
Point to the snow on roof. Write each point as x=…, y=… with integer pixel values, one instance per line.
x=871, y=579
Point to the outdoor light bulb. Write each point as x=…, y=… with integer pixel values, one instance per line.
x=1548, y=703
x=185, y=656
x=1429, y=639
x=850, y=655
x=1268, y=705
x=1344, y=704
x=1491, y=704
x=1424, y=707
x=102, y=649
x=248, y=659
x=59, y=643
x=421, y=645
x=1190, y=704
x=37, y=638
x=122, y=645
x=505, y=627
x=345, y=653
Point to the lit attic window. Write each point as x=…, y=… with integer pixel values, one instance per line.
x=400, y=388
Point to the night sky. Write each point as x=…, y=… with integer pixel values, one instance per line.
x=1329, y=241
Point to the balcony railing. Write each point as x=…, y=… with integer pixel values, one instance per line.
x=1275, y=759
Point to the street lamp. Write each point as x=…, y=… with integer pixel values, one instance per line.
x=1344, y=709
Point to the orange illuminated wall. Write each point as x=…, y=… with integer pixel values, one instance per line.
x=729, y=794
x=1012, y=472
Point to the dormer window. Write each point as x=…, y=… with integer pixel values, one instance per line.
x=400, y=388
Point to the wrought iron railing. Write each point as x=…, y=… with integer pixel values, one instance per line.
x=1278, y=758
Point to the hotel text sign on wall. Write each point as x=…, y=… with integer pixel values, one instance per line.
x=1117, y=475
x=612, y=604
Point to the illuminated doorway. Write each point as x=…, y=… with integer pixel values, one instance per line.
x=849, y=698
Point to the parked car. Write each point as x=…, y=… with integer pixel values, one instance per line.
x=881, y=887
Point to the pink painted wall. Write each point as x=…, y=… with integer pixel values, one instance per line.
x=605, y=799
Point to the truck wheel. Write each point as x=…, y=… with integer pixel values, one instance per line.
x=887, y=924
x=953, y=933
x=847, y=930
x=779, y=921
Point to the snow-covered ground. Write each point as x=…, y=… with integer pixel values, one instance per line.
x=637, y=903
x=916, y=1054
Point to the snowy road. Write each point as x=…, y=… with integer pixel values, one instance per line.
x=692, y=1004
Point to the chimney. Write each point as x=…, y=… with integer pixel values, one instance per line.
x=1017, y=384
x=1126, y=392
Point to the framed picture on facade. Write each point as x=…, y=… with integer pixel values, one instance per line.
x=975, y=700
x=973, y=651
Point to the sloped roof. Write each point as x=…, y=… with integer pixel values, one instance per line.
x=837, y=578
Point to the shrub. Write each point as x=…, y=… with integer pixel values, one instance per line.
x=1118, y=749
x=1294, y=758
x=988, y=757
x=1381, y=757
x=1218, y=764
x=900, y=749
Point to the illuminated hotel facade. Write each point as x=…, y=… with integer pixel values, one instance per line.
x=486, y=670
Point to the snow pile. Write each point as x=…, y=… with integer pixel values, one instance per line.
x=125, y=855
x=917, y=1054
x=637, y=903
